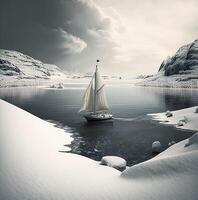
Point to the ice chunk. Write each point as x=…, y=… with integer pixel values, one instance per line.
x=114, y=161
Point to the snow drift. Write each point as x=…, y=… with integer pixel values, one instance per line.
x=31, y=167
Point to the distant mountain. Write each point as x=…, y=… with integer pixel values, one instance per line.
x=19, y=69
x=180, y=70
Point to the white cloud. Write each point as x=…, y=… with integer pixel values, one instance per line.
x=71, y=43
x=61, y=39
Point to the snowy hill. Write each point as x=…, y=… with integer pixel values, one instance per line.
x=17, y=69
x=32, y=165
x=180, y=70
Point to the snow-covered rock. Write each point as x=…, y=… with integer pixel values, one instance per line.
x=192, y=140
x=156, y=147
x=114, y=161
x=181, y=122
x=57, y=86
x=17, y=69
x=186, y=58
x=60, y=86
x=169, y=114
x=180, y=70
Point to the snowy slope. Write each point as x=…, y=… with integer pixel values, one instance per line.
x=19, y=69
x=31, y=167
x=180, y=70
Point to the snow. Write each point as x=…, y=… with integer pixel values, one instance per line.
x=175, y=168
x=169, y=114
x=17, y=69
x=180, y=70
x=57, y=86
x=174, y=81
x=185, y=119
x=31, y=167
x=171, y=143
x=114, y=161
x=192, y=140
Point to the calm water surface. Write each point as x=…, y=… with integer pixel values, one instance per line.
x=130, y=135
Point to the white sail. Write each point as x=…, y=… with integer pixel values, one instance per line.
x=100, y=97
x=94, y=99
x=87, y=104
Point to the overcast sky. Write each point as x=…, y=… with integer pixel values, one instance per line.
x=129, y=36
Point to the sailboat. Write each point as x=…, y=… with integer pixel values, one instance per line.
x=94, y=106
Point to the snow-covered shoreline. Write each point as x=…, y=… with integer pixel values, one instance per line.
x=31, y=167
x=17, y=69
x=9, y=82
x=174, y=81
x=188, y=115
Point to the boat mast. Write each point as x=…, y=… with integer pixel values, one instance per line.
x=95, y=87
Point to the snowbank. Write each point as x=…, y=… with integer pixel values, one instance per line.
x=114, y=161
x=31, y=167
x=188, y=117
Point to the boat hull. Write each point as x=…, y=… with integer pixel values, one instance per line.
x=98, y=117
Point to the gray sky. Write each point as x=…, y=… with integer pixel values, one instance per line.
x=130, y=36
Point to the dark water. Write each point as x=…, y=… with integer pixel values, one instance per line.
x=129, y=136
